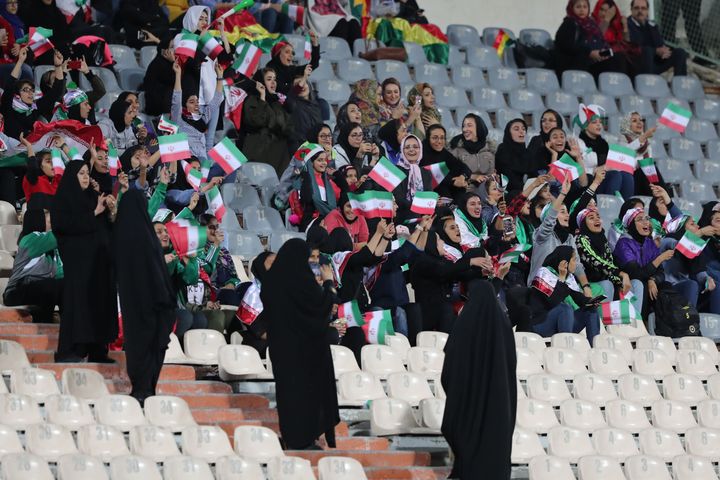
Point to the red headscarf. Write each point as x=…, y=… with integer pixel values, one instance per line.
x=277, y=47
x=588, y=25
x=614, y=33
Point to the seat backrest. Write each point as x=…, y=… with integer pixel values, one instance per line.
x=186, y=468
x=487, y=98
x=257, y=443
x=23, y=466
x=410, y=387
x=483, y=57
x=595, y=467
x=101, y=441
x=536, y=36
x=546, y=467
x=49, y=441
x=84, y=384
x=153, y=442
x=239, y=360
x=614, y=442
x=535, y=415
x=653, y=362
x=263, y=219
x=202, y=345
x=672, y=415
x=645, y=467
x=581, y=414
x=467, y=76
x=260, y=174
x=638, y=388
x=233, y=467
x=133, y=467
x=425, y=360
x=290, y=468
x=432, y=73
x=651, y=86
x=562, y=102
x=352, y=70
x=120, y=411
x=391, y=416
x=615, y=84
x=578, y=82
x=208, y=442
x=703, y=344
x=34, y=382
x=504, y=79
x=569, y=443
x=169, y=412
x=385, y=69
x=359, y=387
x=334, y=48
x=335, y=92
x=693, y=467
x=547, y=387
x=380, y=360
x=80, y=467
x=432, y=339
x=343, y=360
x=462, y=35
x=595, y=388
x=542, y=80
x=525, y=446
x=340, y=468
x=626, y=415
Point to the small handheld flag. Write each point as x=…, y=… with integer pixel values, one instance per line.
x=675, y=117
x=113, y=159
x=386, y=174
x=619, y=312
x=372, y=204
x=215, y=203
x=566, y=166
x=57, y=162
x=350, y=311
x=502, y=40
x=193, y=175
x=438, y=171
x=167, y=126
x=621, y=158
x=38, y=40
x=234, y=100
x=647, y=165
x=378, y=324
x=691, y=245
x=513, y=254
x=186, y=238
x=247, y=59
x=174, y=147
x=227, y=155
x=186, y=45
x=424, y=203
x=210, y=46
x=295, y=12
x=307, y=51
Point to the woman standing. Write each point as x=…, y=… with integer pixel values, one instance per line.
x=471, y=148
x=456, y=181
x=282, y=63
x=511, y=157
x=81, y=224
x=298, y=312
x=416, y=180
x=635, y=136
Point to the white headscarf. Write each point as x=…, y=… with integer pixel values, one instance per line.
x=208, y=77
x=415, y=181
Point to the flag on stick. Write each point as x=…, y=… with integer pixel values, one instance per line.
x=227, y=155
x=186, y=239
x=174, y=147
x=386, y=174
x=295, y=12
x=350, y=311
x=621, y=158
x=247, y=59
x=215, y=203
x=675, y=117
x=690, y=245
x=566, y=166
x=647, y=165
x=193, y=175
x=210, y=46
x=167, y=126
x=113, y=159
x=57, y=162
x=186, y=45
x=502, y=40
x=234, y=99
x=424, y=203
x=372, y=204
x=619, y=312
x=38, y=40
x=511, y=255
x=438, y=171
x=378, y=324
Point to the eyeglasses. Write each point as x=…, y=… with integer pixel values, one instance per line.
x=436, y=139
x=27, y=90
x=356, y=135
x=325, y=136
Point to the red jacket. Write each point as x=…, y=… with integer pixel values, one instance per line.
x=5, y=55
x=44, y=184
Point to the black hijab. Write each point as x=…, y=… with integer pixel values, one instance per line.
x=316, y=235
x=708, y=210
x=562, y=232
x=104, y=180
x=598, y=145
x=342, y=116
x=73, y=208
x=344, y=142
x=258, y=266
x=338, y=241
x=430, y=156
x=440, y=229
x=479, y=380
x=482, y=133
x=558, y=119
x=562, y=252
x=117, y=112
x=388, y=134
x=478, y=223
x=511, y=158
x=33, y=221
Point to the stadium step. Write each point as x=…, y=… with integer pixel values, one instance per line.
x=28, y=329
x=223, y=400
x=375, y=458
x=14, y=315
x=35, y=341
x=384, y=473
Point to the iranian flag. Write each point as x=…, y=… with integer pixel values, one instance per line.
x=227, y=155
x=76, y=135
x=167, y=126
x=247, y=59
x=215, y=203
x=647, y=165
x=690, y=245
x=235, y=9
x=57, y=161
x=350, y=311
x=619, y=312
x=378, y=324
x=174, y=147
x=113, y=159
x=205, y=166
x=295, y=12
x=566, y=166
x=424, y=203
x=511, y=255
x=193, y=175
x=234, y=99
x=438, y=171
x=186, y=238
x=307, y=52
x=621, y=158
x=210, y=46
x=38, y=40
x=545, y=281
x=386, y=174
x=675, y=117
x=186, y=45
x=372, y=204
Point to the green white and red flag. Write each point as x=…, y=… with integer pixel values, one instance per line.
x=307, y=51
x=186, y=238
x=566, y=166
x=618, y=312
x=205, y=166
x=165, y=125
x=174, y=147
x=247, y=59
x=350, y=311
x=210, y=46
x=38, y=40
x=424, y=203
x=234, y=99
x=378, y=324
x=372, y=204
x=57, y=161
x=647, y=165
x=113, y=159
x=690, y=245
x=513, y=254
x=675, y=117
x=215, y=203
x=295, y=12
x=438, y=171
x=235, y=9
x=193, y=175
x=186, y=45
x=621, y=158
x=227, y=155
x=386, y=174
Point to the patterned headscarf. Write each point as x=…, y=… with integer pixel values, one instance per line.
x=365, y=96
x=415, y=181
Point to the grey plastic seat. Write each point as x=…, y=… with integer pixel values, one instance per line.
x=106, y=75
x=244, y=244
x=658, y=149
x=360, y=47
x=460, y=114
x=636, y=103
x=262, y=219
x=542, y=80
x=456, y=56
x=698, y=191
x=713, y=149
x=615, y=84
x=131, y=78
x=334, y=49
x=709, y=171
x=354, y=69
x=298, y=44
x=487, y=98
x=483, y=57
x=504, y=115
x=324, y=72
x=124, y=56
x=674, y=171
x=687, y=88
x=700, y=130
x=447, y=118
x=710, y=326
x=689, y=207
x=147, y=54
x=605, y=101
x=489, y=34
x=243, y=196
x=564, y=103
x=684, y=149
x=578, y=82
x=40, y=70
x=708, y=109
x=279, y=237
x=451, y=97
x=663, y=102
x=104, y=104
x=536, y=36
x=651, y=86
x=260, y=174
x=415, y=54
x=432, y=73
x=462, y=35
x=392, y=68
x=467, y=77
x=335, y=92
x=504, y=79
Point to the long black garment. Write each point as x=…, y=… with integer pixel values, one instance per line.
x=479, y=379
x=297, y=310
x=89, y=320
x=455, y=167
x=147, y=297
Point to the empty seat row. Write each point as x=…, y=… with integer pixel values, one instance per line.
x=357, y=389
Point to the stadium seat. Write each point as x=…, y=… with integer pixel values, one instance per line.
x=653, y=362
x=238, y=196
x=536, y=36
x=168, y=412
x=582, y=415
x=391, y=416
x=233, y=467
x=708, y=413
x=504, y=79
x=290, y=468
x=425, y=361
x=703, y=442
x=686, y=150
x=526, y=101
x=504, y=115
x=9, y=441
x=334, y=49
x=255, y=443
x=700, y=131
x=174, y=352
x=697, y=191
x=208, y=442
x=708, y=109
x=696, y=363
x=431, y=413
x=9, y=237
x=531, y=341
x=106, y=75
x=490, y=33
x=467, y=77
x=83, y=383
x=324, y=71
x=451, y=97
x=102, y=442
x=49, y=441
x=132, y=467
x=674, y=171
x=710, y=325
x=19, y=411
x=594, y=388
x=434, y=74
x=262, y=219
x=131, y=78
x=564, y=362
x=651, y=86
x=246, y=245
x=237, y=362
x=12, y=357
x=578, y=82
x=147, y=54
x=546, y=467
x=400, y=344
x=155, y=443
x=692, y=467
x=626, y=415
x=340, y=468
x=202, y=345
x=563, y=103
x=605, y=101
x=335, y=92
x=483, y=57
x=702, y=344
x=68, y=411
x=525, y=445
x=456, y=57
x=357, y=388
x=542, y=80
x=596, y=467
x=462, y=35
x=571, y=341
x=120, y=411
x=34, y=382
x=354, y=69
x=8, y=215
x=638, y=388
x=343, y=360
x=635, y=103
x=186, y=468
x=124, y=56
x=549, y=388
x=709, y=171
x=410, y=387
x=535, y=415
x=615, y=84
x=80, y=467
x=385, y=69
x=660, y=443
x=569, y=443
x=615, y=443
x=489, y=99
x=380, y=360
x=687, y=88
x=684, y=388
x=664, y=344
x=415, y=55
x=23, y=466
x=435, y=340
x=672, y=415
x=643, y=467
x=359, y=45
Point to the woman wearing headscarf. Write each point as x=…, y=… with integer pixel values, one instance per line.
x=97, y=157
x=348, y=113
x=471, y=148
x=298, y=312
x=537, y=148
x=634, y=135
x=305, y=110
x=122, y=127
x=511, y=157
x=147, y=297
x=345, y=217
x=435, y=152
x=81, y=223
x=329, y=19
x=40, y=175
x=282, y=63
x=354, y=148
x=423, y=94
x=391, y=135
x=392, y=108
x=469, y=219
x=159, y=80
x=711, y=217
x=478, y=378
x=416, y=179
x=9, y=10
x=614, y=27
x=365, y=96
x=37, y=273
x=143, y=21
x=318, y=193
x=493, y=203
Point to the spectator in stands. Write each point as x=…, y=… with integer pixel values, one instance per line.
x=9, y=10
x=355, y=148
x=580, y=45
x=429, y=113
x=329, y=19
x=270, y=15
x=537, y=148
x=552, y=311
x=416, y=180
x=410, y=11
x=347, y=179
x=40, y=175
x=266, y=123
x=122, y=127
x=201, y=299
x=37, y=274
x=321, y=134
x=391, y=135
x=8, y=51
x=318, y=193
x=471, y=147
x=81, y=222
x=298, y=313
x=634, y=135
x=146, y=294
x=655, y=56
x=469, y=219
x=99, y=168
x=345, y=217
x=145, y=22
x=160, y=79
x=435, y=152
x=494, y=206
x=282, y=63
x=614, y=27
x=511, y=158
x=77, y=104
x=348, y=113
x=305, y=110
x=479, y=369
x=366, y=93
x=392, y=108
x=711, y=217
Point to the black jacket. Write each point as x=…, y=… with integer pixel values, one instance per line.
x=159, y=83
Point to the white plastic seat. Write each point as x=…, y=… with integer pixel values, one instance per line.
x=684, y=388
x=207, y=442
x=343, y=360
x=399, y=343
x=673, y=416
x=340, y=468
x=638, y=388
x=77, y=466
x=233, y=467
x=611, y=363
x=12, y=357
x=549, y=388
x=431, y=339
x=186, y=468
x=202, y=345
x=168, y=412
x=596, y=467
x=546, y=467
x=525, y=445
x=68, y=411
x=9, y=441
x=569, y=443
x=34, y=382
x=615, y=443
x=84, y=384
x=425, y=361
x=594, y=388
x=174, y=352
x=627, y=331
x=626, y=415
x=153, y=442
x=535, y=415
x=237, y=362
x=132, y=467
x=660, y=443
x=572, y=341
x=410, y=387
x=564, y=362
x=19, y=411
x=380, y=360
x=431, y=413
x=581, y=415
x=257, y=443
x=531, y=341
x=25, y=466
x=391, y=416
x=120, y=411
x=713, y=386
x=704, y=442
x=652, y=362
x=528, y=363
x=357, y=388
x=290, y=468
x=708, y=413
x=696, y=362
x=49, y=441
x=643, y=467
x=703, y=344
x=657, y=342
x=692, y=467
x=101, y=441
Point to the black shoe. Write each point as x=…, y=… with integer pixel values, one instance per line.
x=104, y=359
x=68, y=358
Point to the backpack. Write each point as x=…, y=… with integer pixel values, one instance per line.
x=674, y=317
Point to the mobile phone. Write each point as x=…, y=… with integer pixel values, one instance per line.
x=606, y=52
x=74, y=65
x=418, y=100
x=315, y=267
x=508, y=225
x=597, y=300
x=141, y=35
x=325, y=259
